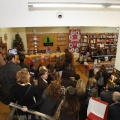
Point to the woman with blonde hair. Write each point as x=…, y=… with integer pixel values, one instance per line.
x=81, y=86
x=23, y=93
x=81, y=91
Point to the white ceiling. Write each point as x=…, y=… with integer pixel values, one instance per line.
x=18, y=15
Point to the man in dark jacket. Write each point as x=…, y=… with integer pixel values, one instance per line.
x=107, y=94
x=8, y=75
x=114, y=109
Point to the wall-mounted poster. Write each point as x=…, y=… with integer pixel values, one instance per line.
x=74, y=39
x=48, y=41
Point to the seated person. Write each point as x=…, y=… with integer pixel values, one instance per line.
x=58, y=49
x=49, y=50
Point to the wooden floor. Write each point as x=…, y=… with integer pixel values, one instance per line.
x=80, y=69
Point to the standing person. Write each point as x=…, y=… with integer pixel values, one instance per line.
x=114, y=109
x=68, y=56
x=81, y=91
x=71, y=106
x=23, y=92
x=49, y=101
x=42, y=81
x=22, y=64
x=102, y=74
x=107, y=94
x=8, y=75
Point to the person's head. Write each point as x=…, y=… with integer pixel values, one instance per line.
x=77, y=77
x=81, y=86
x=10, y=58
x=58, y=64
x=110, y=87
x=21, y=57
x=92, y=82
x=58, y=48
x=23, y=76
x=91, y=73
x=117, y=81
x=116, y=97
x=43, y=73
x=114, y=70
x=42, y=67
x=102, y=68
x=54, y=90
x=71, y=102
x=94, y=93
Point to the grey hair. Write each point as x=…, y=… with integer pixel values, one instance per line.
x=116, y=96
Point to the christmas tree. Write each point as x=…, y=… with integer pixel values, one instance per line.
x=18, y=44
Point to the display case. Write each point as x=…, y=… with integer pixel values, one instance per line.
x=84, y=43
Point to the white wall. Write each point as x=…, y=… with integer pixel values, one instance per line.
x=10, y=36
x=15, y=13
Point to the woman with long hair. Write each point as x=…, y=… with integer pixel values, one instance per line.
x=81, y=91
x=71, y=106
x=49, y=101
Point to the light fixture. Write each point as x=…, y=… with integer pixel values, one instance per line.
x=114, y=6
x=71, y=6
x=61, y=5
x=68, y=5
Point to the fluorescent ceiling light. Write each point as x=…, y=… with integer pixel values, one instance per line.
x=65, y=5
x=114, y=6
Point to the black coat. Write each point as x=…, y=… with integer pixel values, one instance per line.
x=8, y=77
x=114, y=111
x=42, y=85
x=107, y=96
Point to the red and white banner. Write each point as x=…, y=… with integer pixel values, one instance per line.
x=74, y=40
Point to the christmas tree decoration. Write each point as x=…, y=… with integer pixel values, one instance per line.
x=18, y=44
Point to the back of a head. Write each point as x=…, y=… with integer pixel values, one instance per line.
x=70, y=91
x=81, y=86
x=23, y=76
x=116, y=97
x=77, y=77
x=21, y=57
x=71, y=102
x=94, y=93
x=110, y=87
x=10, y=57
x=92, y=82
x=117, y=81
x=54, y=89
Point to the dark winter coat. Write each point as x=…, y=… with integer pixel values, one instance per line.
x=8, y=77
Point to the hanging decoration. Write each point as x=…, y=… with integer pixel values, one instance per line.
x=35, y=39
x=74, y=40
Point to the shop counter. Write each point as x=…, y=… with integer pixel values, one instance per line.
x=44, y=59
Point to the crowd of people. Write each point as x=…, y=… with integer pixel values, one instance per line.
x=58, y=88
